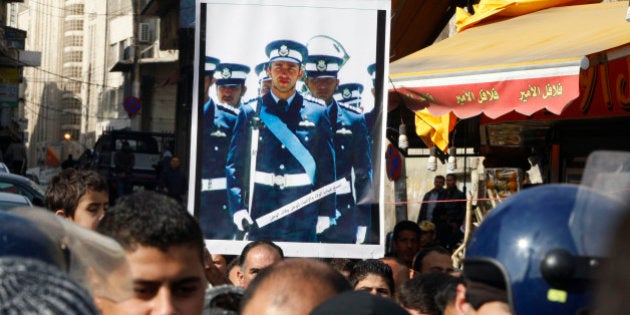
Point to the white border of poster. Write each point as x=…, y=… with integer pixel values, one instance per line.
x=237, y=31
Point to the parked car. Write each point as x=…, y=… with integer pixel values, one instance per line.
x=16, y=184
x=9, y=201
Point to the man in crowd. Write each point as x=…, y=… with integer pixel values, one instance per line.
x=449, y=215
x=294, y=286
x=373, y=276
x=216, y=127
x=173, y=181
x=429, y=201
x=399, y=270
x=432, y=259
x=351, y=143
x=291, y=142
x=405, y=241
x=79, y=195
x=165, y=251
x=255, y=257
x=417, y=295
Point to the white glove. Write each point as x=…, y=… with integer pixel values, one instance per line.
x=323, y=222
x=238, y=218
x=361, y=231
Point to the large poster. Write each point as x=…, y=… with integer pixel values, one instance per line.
x=287, y=125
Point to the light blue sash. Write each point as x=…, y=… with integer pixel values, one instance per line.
x=290, y=141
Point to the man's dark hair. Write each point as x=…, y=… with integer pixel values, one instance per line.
x=417, y=260
x=440, y=177
x=367, y=267
x=150, y=219
x=447, y=292
x=269, y=244
x=65, y=189
x=419, y=293
x=406, y=226
x=452, y=175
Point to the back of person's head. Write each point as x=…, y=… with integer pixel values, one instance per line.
x=66, y=188
x=406, y=226
x=150, y=219
x=417, y=260
x=293, y=286
x=251, y=245
x=368, y=267
x=359, y=303
x=29, y=286
x=445, y=296
x=419, y=293
x=224, y=300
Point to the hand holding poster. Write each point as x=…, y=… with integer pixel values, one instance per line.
x=306, y=145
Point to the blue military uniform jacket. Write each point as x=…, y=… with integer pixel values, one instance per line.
x=279, y=177
x=352, y=151
x=216, y=133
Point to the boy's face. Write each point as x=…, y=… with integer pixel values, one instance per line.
x=91, y=208
x=171, y=282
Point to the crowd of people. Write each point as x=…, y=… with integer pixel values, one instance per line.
x=152, y=259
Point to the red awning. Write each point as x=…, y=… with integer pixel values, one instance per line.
x=522, y=65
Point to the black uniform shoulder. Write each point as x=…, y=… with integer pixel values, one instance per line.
x=229, y=109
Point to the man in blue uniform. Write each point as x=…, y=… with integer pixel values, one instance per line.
x=216, y=127
x=231, y=83
x=292, y=151
x=352, y=149
x=264, y=81
x=349, y=94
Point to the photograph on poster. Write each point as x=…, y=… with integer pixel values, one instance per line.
x=285, y=128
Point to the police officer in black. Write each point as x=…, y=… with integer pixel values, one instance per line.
x=292, y=155
x=216, y=131
x=352, y=148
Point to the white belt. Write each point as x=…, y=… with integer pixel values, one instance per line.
x=210, y=184
x=282, y=181
x=344, y=189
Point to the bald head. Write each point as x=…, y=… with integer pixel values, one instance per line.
x=294, y=286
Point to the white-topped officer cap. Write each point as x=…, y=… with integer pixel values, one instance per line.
x=231, y=74
x=349, y=94
x=286, y=50
x=210, y=65
x=261, y=72
x=323, y=45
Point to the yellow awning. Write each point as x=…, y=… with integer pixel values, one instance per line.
x=523, y=64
